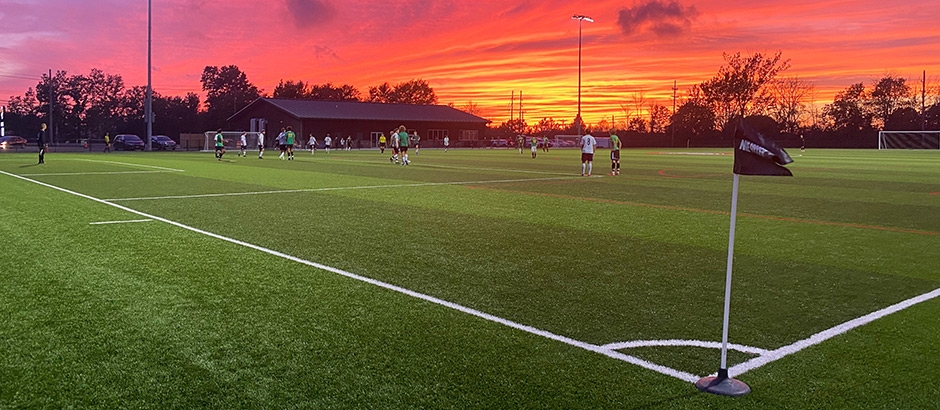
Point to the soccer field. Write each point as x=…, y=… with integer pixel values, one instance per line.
x=469, y=279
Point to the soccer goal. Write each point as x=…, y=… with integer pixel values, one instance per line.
x=232, y=139
x=909, y=140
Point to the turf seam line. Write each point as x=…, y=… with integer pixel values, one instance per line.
x=684, y=376
x=827, y=334
x=120, y=222
x=94, y=173
x=130, y=164
x=290, y=191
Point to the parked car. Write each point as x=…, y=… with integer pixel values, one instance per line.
x=162, y=142
x=499, y=143
x=12, y=141
x=127, y=142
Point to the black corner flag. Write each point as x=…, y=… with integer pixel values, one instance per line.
x=755, y=154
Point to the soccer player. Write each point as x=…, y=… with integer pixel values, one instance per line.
x=403, y=145
x=348, y=142
x=588, y=144
x=446, y=143
x=281, y=142
x=545, y=144
x=107, y=142
x=417, y=142
x=219, y=145
x=243, y=144
x=535, y=146
x=261, y=145
x=802, y=145
x=312, y=144
x=382, y=144
x=327, y=141
x=41, y=142
x=614, y=154
x=394, y=157
x=520, y=142
x=289, y=137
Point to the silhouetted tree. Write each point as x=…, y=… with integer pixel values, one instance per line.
x=847, y=113
x=740, y=88
x=411, y=92
x=227, y=91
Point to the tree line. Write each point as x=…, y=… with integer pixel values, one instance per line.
x=89, y=105
x=755, y=85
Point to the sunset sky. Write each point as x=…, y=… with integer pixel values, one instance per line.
x=479, y=51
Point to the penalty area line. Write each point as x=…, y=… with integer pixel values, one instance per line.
x=293, y=191
x=678, y=374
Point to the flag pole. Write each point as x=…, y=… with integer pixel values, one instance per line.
x=722, y=384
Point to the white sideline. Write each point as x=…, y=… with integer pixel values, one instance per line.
x=291, y=191
x=688, y=377
x=827, y=334
x=120, y=222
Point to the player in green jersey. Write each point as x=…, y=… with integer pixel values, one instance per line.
x=535, y=146
x=289, y=137
x=403, y=145
x=614, y=154
x=219, y=145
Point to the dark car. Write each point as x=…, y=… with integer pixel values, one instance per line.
x=127, y=142
x=162, y=142
x=12, y=141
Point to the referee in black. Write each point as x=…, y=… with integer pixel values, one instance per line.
x=41, y=141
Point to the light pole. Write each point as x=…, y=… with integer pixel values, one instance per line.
x=148, y=105
x=580, y=18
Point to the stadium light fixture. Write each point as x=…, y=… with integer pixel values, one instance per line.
x=581, y=18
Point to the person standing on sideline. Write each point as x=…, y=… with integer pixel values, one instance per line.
x=107, y=142
x=261, y=145
x=403, y=145
x=382, y=143
x=614, y=154
x=535, y=146
x=588, y=144
x=219, y=145
x=289, y=138
x=243, y=145
x=802, y=145
x=41, y=142
x=327, y=141
x=446, y=142
x=545, y=144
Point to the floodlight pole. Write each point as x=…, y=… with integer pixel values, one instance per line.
x=148, y=109
x=580, y=18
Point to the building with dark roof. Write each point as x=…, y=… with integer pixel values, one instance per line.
x=361, y=121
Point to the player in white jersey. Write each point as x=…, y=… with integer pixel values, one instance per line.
x=394, y=158
x=446, y=143
x=588, y=144
x=243, y=144
x=312, y=143
x=326, y=143
x=261, y=145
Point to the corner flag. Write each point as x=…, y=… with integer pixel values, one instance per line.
x=755, y=154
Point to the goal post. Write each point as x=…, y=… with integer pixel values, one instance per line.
x=232, y=139
x=909, y=140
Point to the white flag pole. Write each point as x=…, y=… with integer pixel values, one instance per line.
x=722, y=384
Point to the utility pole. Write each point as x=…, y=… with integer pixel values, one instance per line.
x=672, y=122
x=923, y=103
x=51, y=128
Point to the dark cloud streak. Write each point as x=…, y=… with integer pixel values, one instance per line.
x=308, y=13
x=664, y=19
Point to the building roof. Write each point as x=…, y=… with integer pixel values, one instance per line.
x=351, y=110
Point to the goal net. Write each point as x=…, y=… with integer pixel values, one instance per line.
x=232, y=139
x=909, y=140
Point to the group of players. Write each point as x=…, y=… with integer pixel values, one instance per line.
x=400, y=142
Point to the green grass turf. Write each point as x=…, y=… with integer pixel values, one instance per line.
x=151, y=315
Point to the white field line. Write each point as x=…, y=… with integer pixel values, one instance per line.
x=120, y=222
x=290, y=191
x=688, y=377
x=130, y=164
x=683, y=343
x=827, y=334
x=57, y=174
